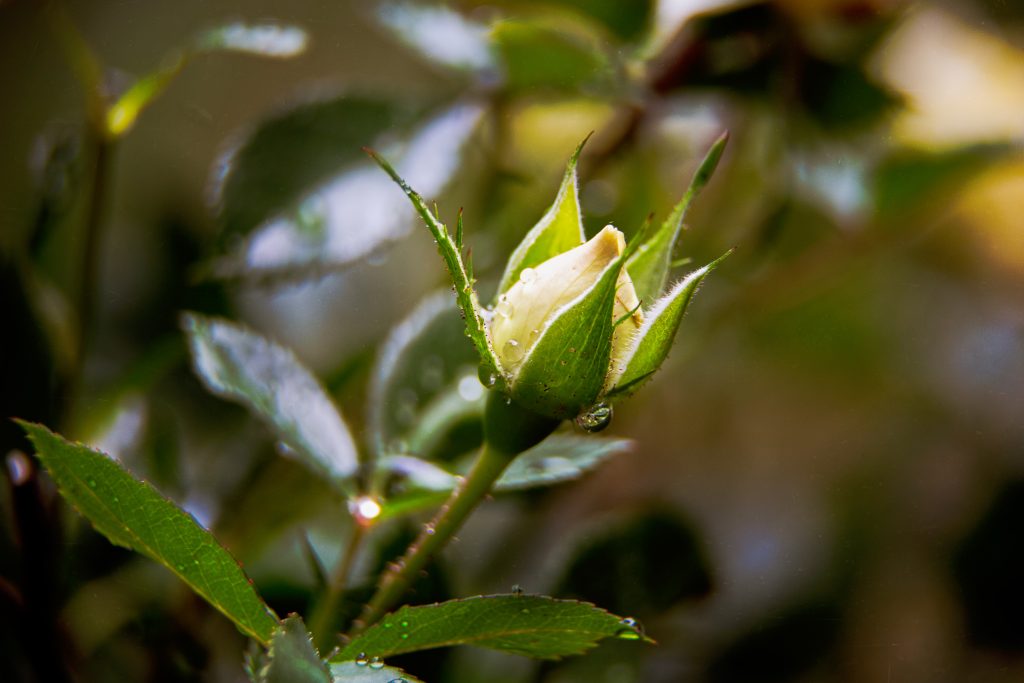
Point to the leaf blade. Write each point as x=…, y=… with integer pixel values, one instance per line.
x=559, y=229
x=133, y=514
x=292, y=657
x=529, y=625
x=652, y=342
x=649, y=266
x=240, y=365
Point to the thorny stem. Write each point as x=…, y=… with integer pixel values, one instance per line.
x=435, y=535
x=509, y=429
x=324, y=618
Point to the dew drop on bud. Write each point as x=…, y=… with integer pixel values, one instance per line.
x=512, y=351
x=595, y=418
x=488, y=379
x=527, y=276
x=504, y=307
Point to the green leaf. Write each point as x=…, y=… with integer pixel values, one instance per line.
x=565, y=370
x=465, y=294
x=133, y=514
x=558, y=231
x=539, y=55
x=292, y=658
x=289, y=154
x=649, y=266
x=529, y=625
x=265, y=40
x=355, y=213
x=424, y=380
x=240, y=365
x=559, y=458
x=652, y=342
x=365, y=672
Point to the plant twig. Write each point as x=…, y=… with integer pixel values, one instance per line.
x=324, y=618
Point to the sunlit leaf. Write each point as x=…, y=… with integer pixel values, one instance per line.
x=240, y=365
x=291, y=153
x=536, y=55
x=364, y=672
x=308, y=228
x=559, y=458
x=424, y=379
x=292, y=658
x=650, y=345
x=265, y=40
x=529, y=625
x=558, y=231
x=649, y=266
x=441, y=34
x=133, y=514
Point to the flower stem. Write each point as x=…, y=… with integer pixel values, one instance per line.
x=324, y=618
x=435, y=535
x=509, y=430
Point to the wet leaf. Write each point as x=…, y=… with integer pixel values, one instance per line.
x=291, y=153
x=424, y=380
x=133, y=514
x=292, y=658
x=240, y=365
x=352, y=672
x=559, y=458
x=529, y=625
x=355, y=213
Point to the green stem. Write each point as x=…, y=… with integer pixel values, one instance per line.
x=323, y=621
x=509, y=430
x=435, y=535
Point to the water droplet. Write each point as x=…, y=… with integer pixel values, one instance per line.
x=525, y=610
x=595, y=418
x=488, y=379
x=405, y=636
x=527, y=276
x=181, y=567
x=398, y=680
x=504, y=307
x=534, y=333
x=428, y=529
x=116, y=499
x=405, y=624
x=376, y=663
x=361, y=659
x=513, y=351
x=388, y=624
x=92, y=483
x=631, y=629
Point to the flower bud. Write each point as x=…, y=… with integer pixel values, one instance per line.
x=577, y=355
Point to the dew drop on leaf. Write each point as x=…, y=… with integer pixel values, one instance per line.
x=92, y=483
x=595, y=418
x=631, y=629
x=527, y=276
x=376, y=663
x=361, y=659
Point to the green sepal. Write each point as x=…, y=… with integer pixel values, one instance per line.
x=649, y=267
x=462, y=281
x=651, y=344
x=565, y=370
x=558, y=231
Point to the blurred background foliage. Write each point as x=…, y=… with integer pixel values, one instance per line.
x=828, y=479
